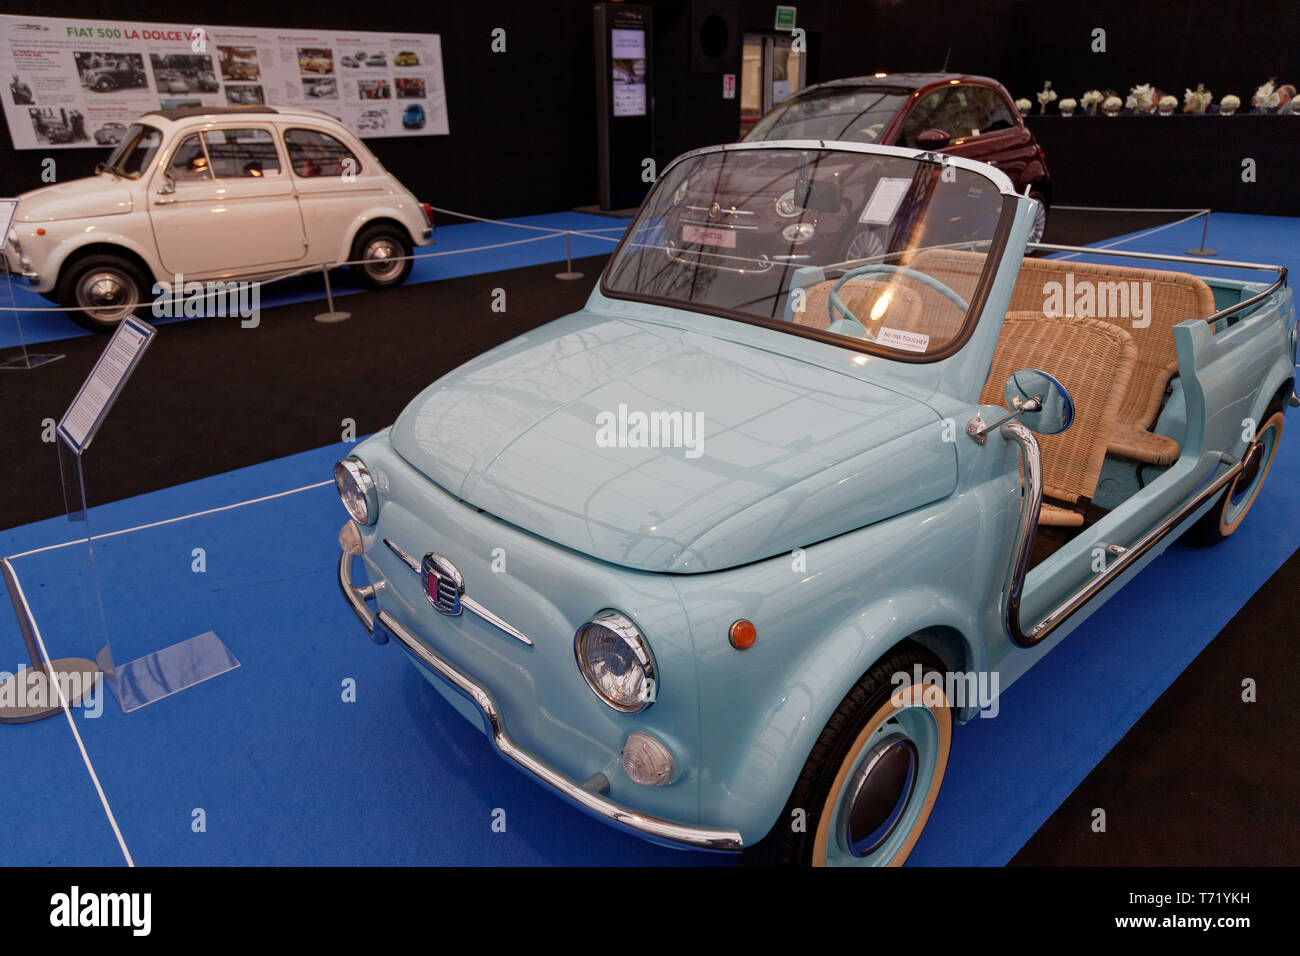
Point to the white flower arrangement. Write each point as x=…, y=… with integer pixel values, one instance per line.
x=1024, y=106
x=1143, y=97
x=1112, y=105
x=1167, y=105
x=1131, y=102
x=1197, y=100
x=1046, y=95
x=1229, y=104
x=1091, y=100
x=1266, y=97
x=1068, y=106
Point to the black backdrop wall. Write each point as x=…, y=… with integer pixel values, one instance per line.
x=522, y=123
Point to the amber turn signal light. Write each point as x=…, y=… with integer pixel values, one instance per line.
x=743, y=634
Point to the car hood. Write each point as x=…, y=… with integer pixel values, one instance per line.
x=545, y=433
x=76, y=199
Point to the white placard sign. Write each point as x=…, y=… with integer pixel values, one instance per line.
x=884, y=201
x=100, y=390
x=8, y=207
x=80, y=83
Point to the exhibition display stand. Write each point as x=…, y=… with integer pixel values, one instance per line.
x=150, y=676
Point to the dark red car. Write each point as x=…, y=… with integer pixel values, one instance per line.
x=971, y=116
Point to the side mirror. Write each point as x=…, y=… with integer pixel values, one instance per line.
x=932, y=139
x=1039, y=400
x=168, y=187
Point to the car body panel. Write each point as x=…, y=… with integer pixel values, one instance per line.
x=794, y=455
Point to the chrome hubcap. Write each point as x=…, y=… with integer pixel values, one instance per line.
x=383, y=258
x=1040, y=223
x=878, y=794
x=105, y=294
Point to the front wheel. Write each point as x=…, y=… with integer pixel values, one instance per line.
x=866, y=790
x=1226, y=516
x=1039, y=228
x=103, y=290
x=381, y=257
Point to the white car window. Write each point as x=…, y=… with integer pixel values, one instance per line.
x=189, y=161
x=313, y=153
x=238, y=153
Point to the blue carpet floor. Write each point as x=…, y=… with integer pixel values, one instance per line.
x=445, y=259
x=287, y=773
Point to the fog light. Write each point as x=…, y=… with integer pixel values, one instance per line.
x=350, y=538
x=647, y=761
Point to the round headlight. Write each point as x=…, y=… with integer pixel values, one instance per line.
x=798, y=232
x=357, y=490
x=615, y=661
x=786, y=206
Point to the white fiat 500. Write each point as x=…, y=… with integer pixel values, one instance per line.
x=215, y=193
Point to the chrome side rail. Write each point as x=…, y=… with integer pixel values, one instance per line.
x=1031, y=462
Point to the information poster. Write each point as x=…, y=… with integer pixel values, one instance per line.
x=627, y=53
x=80, y=83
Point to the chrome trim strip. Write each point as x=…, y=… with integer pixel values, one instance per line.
x=702, y=838
x=716, y=224
x=467, y=603
x=1031, y=463
x=405, y=558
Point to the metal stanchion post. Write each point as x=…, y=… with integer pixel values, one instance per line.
x=568, y=272
x=1204, y=232
x=331, y=315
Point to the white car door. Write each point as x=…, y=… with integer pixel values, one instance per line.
x=226, y=205
x=335, y=185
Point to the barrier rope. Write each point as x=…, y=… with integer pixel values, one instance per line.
x=549, y=233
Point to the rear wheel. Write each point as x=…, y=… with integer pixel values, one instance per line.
x=381, y=256
x=866, y=790
x=103, y=289
x=1226, y=516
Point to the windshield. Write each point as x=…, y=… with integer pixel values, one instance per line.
x=849, y=114
x=135, y=152
x=875, y=251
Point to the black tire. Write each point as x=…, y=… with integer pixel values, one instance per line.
x=381, y=255
x=1239, y=497
x=114, y=282
x=842, y=742
x=1039, y=229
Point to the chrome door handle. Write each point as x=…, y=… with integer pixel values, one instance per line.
x=163, y=202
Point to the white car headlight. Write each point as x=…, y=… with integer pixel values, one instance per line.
x=357, y=490
x=615, y=661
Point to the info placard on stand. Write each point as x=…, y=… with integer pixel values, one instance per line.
x=168, y=671
x=8, y=209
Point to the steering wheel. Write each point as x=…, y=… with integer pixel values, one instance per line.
x=834, y=303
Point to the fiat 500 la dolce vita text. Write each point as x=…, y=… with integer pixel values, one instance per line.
x=681, y=554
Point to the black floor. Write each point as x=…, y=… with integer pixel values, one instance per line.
x=211, y=396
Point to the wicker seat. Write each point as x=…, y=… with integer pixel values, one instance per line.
x=902, y=309
x=1175, y=297
x=1094, y=360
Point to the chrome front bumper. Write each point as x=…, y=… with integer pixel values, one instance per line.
x=381, y=624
